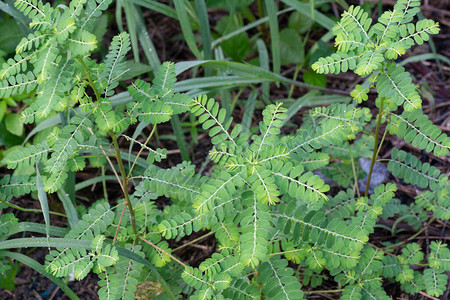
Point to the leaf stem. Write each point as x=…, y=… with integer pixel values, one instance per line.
x=413, y=236
x=323, y=291
x=31, y=209
x=124, y=183
x=355, y=177
x=375, y=147
x=163, y=251
x=88, y=74
x=140, y=151
x=193, y=241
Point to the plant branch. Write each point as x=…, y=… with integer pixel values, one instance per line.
x=140, y=150
x=91, y=83
x=124, y=184
x=375, y=147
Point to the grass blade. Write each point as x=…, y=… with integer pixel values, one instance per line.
x=204, y=29
x=37, y=228
x=186, y=27
x=89, y=182
x=131, y=23
x=181, y=142
x=248, y=112
x=156, y=6
x=247, y=27
x=274, y=35
x=225, y=94
x=69, y=208
x=40, y=269
x=264, y=64
x=215, y=83
x=425, y=56
x=42, y=196
x=80, y=244
x=304, y=9
x=16, y=14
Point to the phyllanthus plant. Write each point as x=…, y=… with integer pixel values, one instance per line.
x=278, y=228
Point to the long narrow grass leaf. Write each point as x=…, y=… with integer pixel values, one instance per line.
x=304, y=9
x=274, y=35
x=156, y=6
x=69, y=207
x=40, y=269
x=42, y=196
x=186, y=27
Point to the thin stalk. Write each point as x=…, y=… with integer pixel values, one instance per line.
x=193, y=241
x=355, y=178
x=375, y=147
x=140, y=151
x=91, y=83
x=298, y=67
x=323, y=291
x=105, y=192
x=411, y=237
x=380, y=249
x=381, y=143
x=31, y=209
x=124, y=183
x=118, y=227
x=165, y=252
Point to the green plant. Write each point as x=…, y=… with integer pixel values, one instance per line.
x=261, y=201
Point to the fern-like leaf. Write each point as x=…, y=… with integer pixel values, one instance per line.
x=408, y=167
x=270, y=125
x=28, y=156
x=53, y=90
x=408, y=9
x=92, y=11
x=127, y=274
x=292, y=180
x=6, y=220
x=436, y=201
x=114, y=64
x=181, y=188
x=18, y=84
x=81, y=42
x=165, y=79
x=435, y=282
x=279, y=280
x=369, y=62
x=213, y=118
x=409, y=35
x=242, y=290
x=416, y=128
x=396, y=84
x=33, y=8
x=355, y=20
x=15, y=65
x=336, y=63
x=61, y=262
x=255, y=221
x=313, y=227
x=17, y=185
